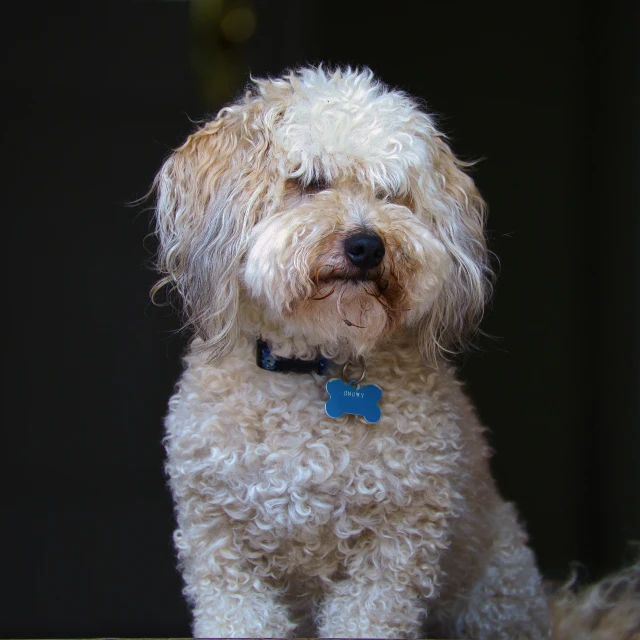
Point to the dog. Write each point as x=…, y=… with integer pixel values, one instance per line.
x=329, y=474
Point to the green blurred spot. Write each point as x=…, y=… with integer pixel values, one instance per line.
x=239, y=24
x=220, y=30
x=205, y=11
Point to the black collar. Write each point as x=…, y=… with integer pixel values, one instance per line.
x=265, y=360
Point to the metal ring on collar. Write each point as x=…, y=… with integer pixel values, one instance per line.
x=364, y=371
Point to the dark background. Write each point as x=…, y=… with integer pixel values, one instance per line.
x=97, y=96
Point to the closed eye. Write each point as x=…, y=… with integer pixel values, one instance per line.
x=381, y=194
x=314, y=186
x=391, y=196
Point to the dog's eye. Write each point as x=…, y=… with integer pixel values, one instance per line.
x=387, y=195
x=314, y=186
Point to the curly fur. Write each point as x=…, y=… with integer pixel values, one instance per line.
x=290, y=521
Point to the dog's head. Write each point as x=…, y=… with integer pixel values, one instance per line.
x=326, y=208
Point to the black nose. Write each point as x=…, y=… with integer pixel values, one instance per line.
x=365, y=249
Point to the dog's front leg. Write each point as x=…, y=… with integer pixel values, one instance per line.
x=390, y=576
x=229, y=598
x=370, y=609
x=225, y=610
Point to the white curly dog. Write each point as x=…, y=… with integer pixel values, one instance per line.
x=321, y=228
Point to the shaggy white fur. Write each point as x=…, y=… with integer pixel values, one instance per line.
x=325, y=214
x=608, y=610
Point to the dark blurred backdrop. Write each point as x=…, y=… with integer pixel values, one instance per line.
x=95, y=99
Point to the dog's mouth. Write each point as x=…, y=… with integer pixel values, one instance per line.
x=328, y=279
x=327, y=275
x=353, y=279
x=379, y=283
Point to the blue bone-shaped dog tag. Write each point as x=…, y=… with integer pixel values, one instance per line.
x=349, y=397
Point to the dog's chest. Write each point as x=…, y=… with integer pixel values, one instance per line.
x=259, y=447
x=277, y=461
x=328, y=477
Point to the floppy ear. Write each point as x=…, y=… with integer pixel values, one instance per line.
x=449, y=198
x=207, y=195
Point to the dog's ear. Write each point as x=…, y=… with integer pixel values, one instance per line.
x=207, y=197
x=448, y=197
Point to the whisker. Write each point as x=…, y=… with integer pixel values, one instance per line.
x=342, y=315
x=384, y=303
x=373, y=293
x=323, y=297
x=320, y=276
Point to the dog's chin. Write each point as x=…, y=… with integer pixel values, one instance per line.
x=352, y=313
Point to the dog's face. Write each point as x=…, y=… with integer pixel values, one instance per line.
x=328, y=209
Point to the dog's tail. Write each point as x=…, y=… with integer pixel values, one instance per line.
x=607, y=610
